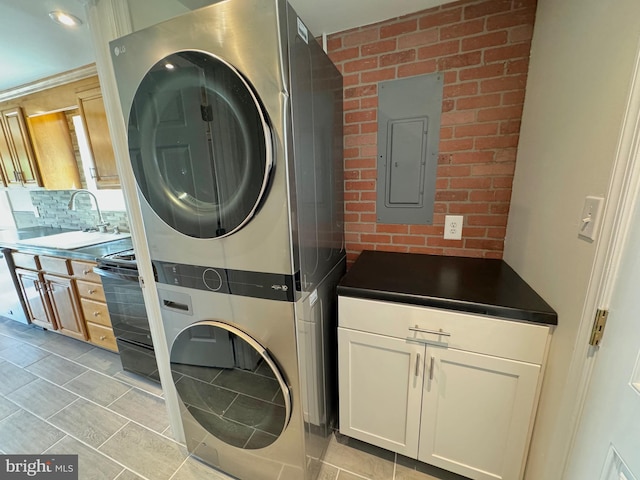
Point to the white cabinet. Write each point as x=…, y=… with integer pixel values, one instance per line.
x=454, y=390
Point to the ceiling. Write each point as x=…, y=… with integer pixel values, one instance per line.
x=33, y=47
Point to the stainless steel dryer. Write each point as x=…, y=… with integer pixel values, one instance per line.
x=234, y=118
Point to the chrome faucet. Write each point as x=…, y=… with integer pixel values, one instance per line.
x=102, y=225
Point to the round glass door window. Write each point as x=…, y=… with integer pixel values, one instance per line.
x=200, y=145
x=230, y=385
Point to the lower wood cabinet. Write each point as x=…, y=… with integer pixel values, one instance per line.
x=450, y=389
x=33, y=292
x=65, y=308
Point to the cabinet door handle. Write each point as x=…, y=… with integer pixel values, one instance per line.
x=96, y=314
x=432, y=332
x=91, y=291
x=85, y=272
x=417, y=365
x=102, y=337
x=433, y=361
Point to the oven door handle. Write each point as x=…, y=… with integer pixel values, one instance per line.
x=109, y=274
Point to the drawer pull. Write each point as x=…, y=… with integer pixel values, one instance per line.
x=431, y=332
x=418, y=365
x=96, y=314
x=91, y=291
x=85, y=272
x=102, y=337
x=431, y=367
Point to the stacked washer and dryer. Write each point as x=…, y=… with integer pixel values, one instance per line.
x=234, y=117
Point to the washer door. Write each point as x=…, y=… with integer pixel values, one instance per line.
x=230, y=384
x=200, y=145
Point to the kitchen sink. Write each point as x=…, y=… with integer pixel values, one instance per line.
x=73, y=240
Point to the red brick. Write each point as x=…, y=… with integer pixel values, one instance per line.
x=452, y=196
x=463, y=29
x=369, y=102
x=334, y=43
x=369, y=150
x=454, y=171
x=442, y=183
x=457, y=118
x=459, y=61
x=463, y=158
x=522, y=33
x=500, y=141
x=492, y=169
x=510, y=126
x=446, y=133
x=376, y=238
x=440, y=18
x=497, y=54
x=369, y=127
x=350, y=80
x=517, y=66
x=500, y=208
x=351, y=105
x=351, y=152
x=426, y=251
x=478, y=101
x=484, y=244
x=486, y=8
x=360, y=207
x=392, y=248
x=360, y=116
x=506, y=155
x=364, y=196
x=376, y=48
x=352, y=174
x=399, y=28
x=360, y=185
x=351, y=129
x=465, y=208
x=496, y=232
x=500, y=113
x=417, y=39
x=487, y=220
x=502, y=182
x=470, y=182
x=456, y=145
x=351, y=196
x=516, y=82
x=478, y=129
x=359, y=65
x=345, y=54
x=417, y=68
x=511, y=19
x=368, y=217
x=486, y=40
x=513, y=98
x=444, y=159
x=369, y=174
x=360, y=227
x=354, y=140
x=351, y=218
x=408, y=240
x=362, y=91
x=359, y=163
x=485, y=71
x=351, y=237
x=448, y=105
x=426, y=230
x=396, y=58
x=384, y=228
x=441, y=242
x=439, y=49
x=359, y=37
x=460, y=89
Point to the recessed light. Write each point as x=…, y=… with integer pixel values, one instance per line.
x=64, y=18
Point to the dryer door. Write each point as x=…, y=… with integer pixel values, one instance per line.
x=200, y=144
x=230, y=384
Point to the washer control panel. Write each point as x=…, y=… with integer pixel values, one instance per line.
x=274, y=286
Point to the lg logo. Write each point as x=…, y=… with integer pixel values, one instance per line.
x=119, y=50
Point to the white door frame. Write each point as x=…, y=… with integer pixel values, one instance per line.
x=623, y=192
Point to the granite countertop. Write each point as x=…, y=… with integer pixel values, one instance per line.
x=474, y=285
x=11, y=238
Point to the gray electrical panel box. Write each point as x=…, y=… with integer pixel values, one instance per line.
x=408, y=136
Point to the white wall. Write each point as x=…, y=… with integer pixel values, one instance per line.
x=582, y=56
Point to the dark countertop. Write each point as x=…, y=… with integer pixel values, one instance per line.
x=474, y=285
x=11, y=238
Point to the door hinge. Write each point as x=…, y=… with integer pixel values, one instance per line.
x=598, y=327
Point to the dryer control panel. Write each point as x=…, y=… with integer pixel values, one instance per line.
x=273, y=286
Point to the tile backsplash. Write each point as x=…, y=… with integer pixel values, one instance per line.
x=53, y=208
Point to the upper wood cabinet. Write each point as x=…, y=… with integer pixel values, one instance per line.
x=18, y=161
x=54, y=151
x=94, y=118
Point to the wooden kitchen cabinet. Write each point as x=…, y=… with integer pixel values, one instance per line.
x=455, y=390
x=17, y=159
x=65, y=308
x=33, y=292
x=94, y=118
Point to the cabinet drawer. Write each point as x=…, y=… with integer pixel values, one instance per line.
x=95, y=312
x=92, y=291
x=475, y=333
x=102, y=336
x=54, y=265
x=26, y=260
x=84, y=271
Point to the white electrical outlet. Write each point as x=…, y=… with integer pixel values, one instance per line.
x=453, y=227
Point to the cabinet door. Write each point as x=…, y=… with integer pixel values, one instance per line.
x=23, y=157
x=54, y=151
x=94, y=118
x=476, y=413
x=65, y=306
x=9, y=175
x=380, y=383
x=35, y=298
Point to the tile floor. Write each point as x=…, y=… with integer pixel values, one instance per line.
x=59, y=395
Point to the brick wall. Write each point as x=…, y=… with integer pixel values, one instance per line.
x=482, y=47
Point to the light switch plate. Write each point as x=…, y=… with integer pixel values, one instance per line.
x=590, y=218
x=453, y=227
